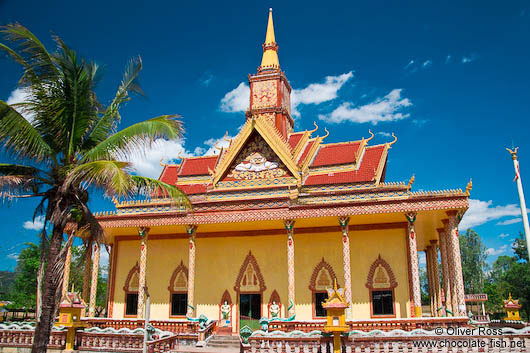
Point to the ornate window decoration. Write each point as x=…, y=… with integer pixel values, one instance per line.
x=250, y=278
x=381, y=283
x=178, y=291
x=323, y=277
x=131, y=291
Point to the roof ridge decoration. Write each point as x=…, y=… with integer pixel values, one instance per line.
x=271, y=136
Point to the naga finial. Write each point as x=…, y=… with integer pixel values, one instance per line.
x=371, y=137
x=513, y=152
x=217, y=147
x=226, y=139
x=469, y=186
x=326, y=135
x=411, y=181
x=316, y=128
x=395, y=139
x=211, y=172
x=162, y=164
x=179, y=155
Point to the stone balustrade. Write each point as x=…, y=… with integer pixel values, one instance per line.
x=109, y=342
x=436, y=341
x=24, y=338
x=166, y=344
x=375, y=324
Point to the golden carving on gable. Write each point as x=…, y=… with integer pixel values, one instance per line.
x=381, y=279
x=257, y=161
x=264, y=94
x=286, y=97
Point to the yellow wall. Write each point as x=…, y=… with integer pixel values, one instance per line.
x=219, y=259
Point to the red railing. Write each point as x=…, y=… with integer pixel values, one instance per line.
x=175, y=326
x=370, y=325
x=24, y=338
x=109, y=342
x=165, y=344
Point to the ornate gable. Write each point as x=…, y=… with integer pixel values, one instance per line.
x=257, y=160
x=260, y=152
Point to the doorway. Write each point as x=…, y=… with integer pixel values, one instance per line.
x=249, y=311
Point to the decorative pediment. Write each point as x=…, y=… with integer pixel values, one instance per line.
x=179, y=279
x=380, y=275
x=132, y=282
x=258, y=152
x=250, y=278
x=323, y=277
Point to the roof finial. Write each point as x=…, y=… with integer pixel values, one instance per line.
x=270, y=48
x=316, y=128
x=371, y=137
x=395, y=139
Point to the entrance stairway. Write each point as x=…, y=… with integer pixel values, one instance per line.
x=224, y=341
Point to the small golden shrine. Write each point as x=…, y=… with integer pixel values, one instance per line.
x=512, y=307
x=335, y=307
x=70, y=316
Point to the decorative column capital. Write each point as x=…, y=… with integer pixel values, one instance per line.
x=411, y=217
x=143, y=232
x=289, y=225
x=434, y=242
x=440, y=231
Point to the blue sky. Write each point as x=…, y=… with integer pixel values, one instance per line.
x=450, y=80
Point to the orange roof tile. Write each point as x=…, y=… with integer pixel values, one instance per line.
x=169, y=174
x=294, y=138
x=305, y=152
x=365, y=173
x=333, y=154
x=197, y=165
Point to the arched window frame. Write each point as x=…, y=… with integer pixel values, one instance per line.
x=127, y=290
x=392, y=285
x=181, y=268
x=313, y=284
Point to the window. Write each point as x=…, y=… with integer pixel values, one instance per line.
x=179, y=303
x=320, y=297
x=131, y=304
x=382, y=302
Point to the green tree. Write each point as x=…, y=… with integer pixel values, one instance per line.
x=23, y=291
x=66, y=142
x=473, y=255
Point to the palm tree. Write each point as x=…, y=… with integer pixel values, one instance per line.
x=67, y=143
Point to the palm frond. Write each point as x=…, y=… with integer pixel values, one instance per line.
x=148, y=187
x=135, y=138
x=108, y=122
x=29, y=75
x=111, y=176
x=18, y=181
x=19, y=137
x=31, y=48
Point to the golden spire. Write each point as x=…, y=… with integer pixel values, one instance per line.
x=270, y=48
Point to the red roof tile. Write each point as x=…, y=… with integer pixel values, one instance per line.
x=169, y=174
x=342, y=153
x=193, y=188
x=305, y=152
x=365, y=173
x=294, y=138
x=197, y=165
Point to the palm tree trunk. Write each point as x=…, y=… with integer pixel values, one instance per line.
x=49, y=289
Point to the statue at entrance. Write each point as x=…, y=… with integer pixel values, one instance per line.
x=274, y=310
x=225, y=310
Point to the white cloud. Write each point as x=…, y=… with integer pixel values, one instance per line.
x=20, y=95
x=316, y=93
x=384, y=134
x=480, y=212
x=206, y=79
x=448, y=59
x=503, y=235
x=409, y=65
x=495, y=252
x=236, y=100
x=510, y=221
x=426, y=64
x=147, y=163
x=37, y=224
x=386, y=108
x=13, y=256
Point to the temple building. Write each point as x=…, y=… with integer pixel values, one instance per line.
x=278, y=216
